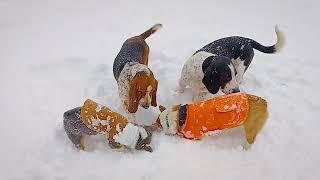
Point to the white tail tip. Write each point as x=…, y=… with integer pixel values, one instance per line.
x=156, y=27
x=280, y=39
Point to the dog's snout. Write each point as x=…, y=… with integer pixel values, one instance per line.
x=145, y=106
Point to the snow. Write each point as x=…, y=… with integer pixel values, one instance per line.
x=129, y=136
x=56, y=54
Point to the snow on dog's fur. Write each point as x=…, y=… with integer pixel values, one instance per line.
x=136, y=82
x=222, y=64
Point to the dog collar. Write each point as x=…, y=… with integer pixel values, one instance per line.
x=182, y=115
x=169, y=121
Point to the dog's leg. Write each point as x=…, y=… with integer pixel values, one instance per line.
x=76, y=139
x=183, y=80
x=258, y=114
x=240, y=69
x=200, y=93
x=75, y=128
x=82, y=144
x=200, y=96
x=182, y=86
x=242, y=63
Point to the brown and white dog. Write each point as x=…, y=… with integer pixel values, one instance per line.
x=136, y=82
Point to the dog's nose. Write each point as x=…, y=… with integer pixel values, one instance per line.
x=145, y=106
x=235, y=90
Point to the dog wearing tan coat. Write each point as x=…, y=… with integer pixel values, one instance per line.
x=93, y=118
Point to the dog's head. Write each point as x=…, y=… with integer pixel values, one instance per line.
x=219, y=73
x=168, y=120
x=143, y=91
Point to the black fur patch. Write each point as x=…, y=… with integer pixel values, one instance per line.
x=216, y=73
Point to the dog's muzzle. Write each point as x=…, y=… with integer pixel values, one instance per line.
x=145, y=102
x=145, y=106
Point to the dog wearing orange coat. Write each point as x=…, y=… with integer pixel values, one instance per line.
x=193, y=121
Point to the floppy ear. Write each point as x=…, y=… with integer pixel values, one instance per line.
x=211, y=79
x=133, y=98
x=157, y=125
x=162, y=108
x=154, y=93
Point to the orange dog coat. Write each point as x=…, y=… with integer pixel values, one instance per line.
x=215, y=114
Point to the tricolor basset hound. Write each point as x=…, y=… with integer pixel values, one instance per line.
x=222, y=64
x=93, y=118
x=194, y=121
x=136, y=82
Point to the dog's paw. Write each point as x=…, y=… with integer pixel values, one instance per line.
x=147, y=148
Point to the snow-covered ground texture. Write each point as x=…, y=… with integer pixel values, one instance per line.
x=55, y=54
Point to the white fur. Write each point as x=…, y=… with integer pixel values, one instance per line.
x=233, y=83
x=239, y=67
x=156, y=27
x=238, y=64
x=127, y=74
x=280, y=39
x=192, y=73
x=168, y=117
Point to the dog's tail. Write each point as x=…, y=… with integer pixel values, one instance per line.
x=150, y=31
x=271, y=49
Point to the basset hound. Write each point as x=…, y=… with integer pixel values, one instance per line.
x=222, y=64
x=136, y=82
x=195, y=120
x=93, y=118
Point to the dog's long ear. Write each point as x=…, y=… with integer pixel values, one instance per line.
x=133, y=97
x=154, y=93
x=211, y=79
x=162, y=108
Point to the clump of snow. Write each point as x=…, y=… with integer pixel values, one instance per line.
x=128, y=136
x=56, y=54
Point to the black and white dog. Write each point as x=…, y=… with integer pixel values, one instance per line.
x=221, y=64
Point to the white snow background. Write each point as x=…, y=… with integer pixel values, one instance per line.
x=55, y=54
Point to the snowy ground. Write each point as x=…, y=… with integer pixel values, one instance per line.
x=54, y=54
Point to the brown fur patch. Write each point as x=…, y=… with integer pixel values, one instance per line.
x=258, y=114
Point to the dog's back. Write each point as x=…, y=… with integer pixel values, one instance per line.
x=131, y=51
x=229, y=46
x=234, y=46
x=135, y=50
